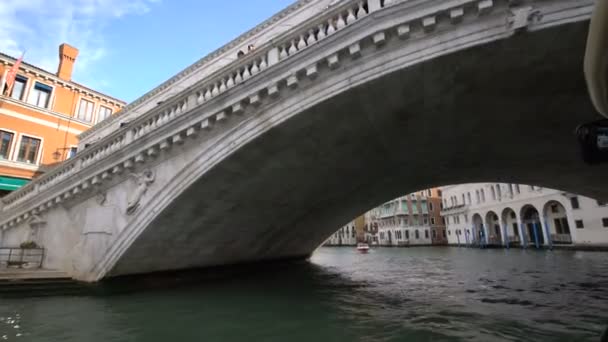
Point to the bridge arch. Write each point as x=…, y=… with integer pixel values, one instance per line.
x=286, y=150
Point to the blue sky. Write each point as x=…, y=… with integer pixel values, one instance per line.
x=127, y=47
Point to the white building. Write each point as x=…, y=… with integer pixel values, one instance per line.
x=522, y=215
x=345, y=236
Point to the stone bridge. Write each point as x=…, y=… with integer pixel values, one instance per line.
x=267, y=155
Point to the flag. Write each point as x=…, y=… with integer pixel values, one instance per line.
x=12, y=74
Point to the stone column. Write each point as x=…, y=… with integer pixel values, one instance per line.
x=522, y=233
x=546, y=232
x=505, y=233
x=484, y=227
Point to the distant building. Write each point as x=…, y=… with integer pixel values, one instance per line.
x=41, y=116
x=349, y=235
x=521, y=215
x=409, y=220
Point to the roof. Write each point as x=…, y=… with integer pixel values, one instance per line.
x=53, y=75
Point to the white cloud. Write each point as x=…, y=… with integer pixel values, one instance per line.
x=39, y=26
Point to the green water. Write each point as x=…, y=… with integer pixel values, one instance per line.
x=410, y=294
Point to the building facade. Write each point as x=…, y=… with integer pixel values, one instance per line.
x=349, y=235
x=514, y=215
x=414, y=219
x=41, y=116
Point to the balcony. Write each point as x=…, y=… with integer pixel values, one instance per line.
x=513, y=239
x=494, y=240
x=561, y=239
x=454, y=209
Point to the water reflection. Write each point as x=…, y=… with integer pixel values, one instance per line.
x=415, y=294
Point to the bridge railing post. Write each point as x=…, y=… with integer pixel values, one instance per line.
x=273, y=56
x=373, y=5
x=129, y=137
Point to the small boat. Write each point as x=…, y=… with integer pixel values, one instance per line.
x=362, y=247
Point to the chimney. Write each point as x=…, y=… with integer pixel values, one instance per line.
x=67, y=57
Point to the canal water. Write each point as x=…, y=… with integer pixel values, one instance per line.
x=390, y=294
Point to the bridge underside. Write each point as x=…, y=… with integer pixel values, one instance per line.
x=502, y=112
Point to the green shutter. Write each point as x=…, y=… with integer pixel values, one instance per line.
x=10, y=183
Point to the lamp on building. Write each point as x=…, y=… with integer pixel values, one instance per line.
x=57, y=154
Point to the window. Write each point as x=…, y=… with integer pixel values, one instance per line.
x=493, y=193
x=561, y=226
x=426, y=234
x=40, y=95
x=417, y=234
x=517, y=188
x=443, y=233
x=579, y=224
x=18, y=87
x=407, y=234
x=463, y=200
x=448, y=220
x=449, y=232
x=605, y=221
x=601, y=203
x=574, y=202
x=432, y=220
x=103, y=113
x=498, y=192
x=554, y=208
x=431, y=206
x=426, y=221
x=483, y=196
x=443, y=220
x=6, y=140
x=85, y=110
x=510, y=190
x=469, y=197
x=72, y=152
x=477, y=195
x=28, y=150
x=515, y=230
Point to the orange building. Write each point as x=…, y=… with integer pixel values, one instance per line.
x=435, y=204
x=42, y=116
